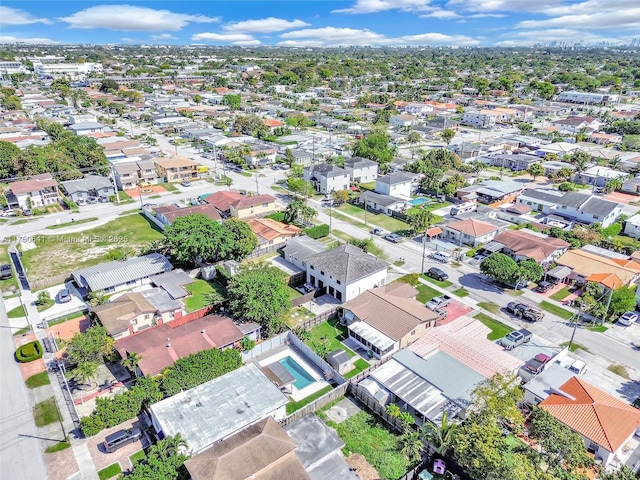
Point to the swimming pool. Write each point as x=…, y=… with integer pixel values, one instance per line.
x=419, y=201
x=303, y=379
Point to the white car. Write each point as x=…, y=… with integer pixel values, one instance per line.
x=628, y=318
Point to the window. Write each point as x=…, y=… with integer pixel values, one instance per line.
x=339, y=282
x=321, y=272
x=596, y=217
x=265, y=204
x=312, y=267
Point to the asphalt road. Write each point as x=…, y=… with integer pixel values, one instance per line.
x=20, y=446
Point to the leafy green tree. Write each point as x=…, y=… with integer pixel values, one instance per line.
x=580, y=160
x=196, y=237
x=431, y=179
x=623, y=299
x=109, y=86
x=375, y=146
x=413, y=137
x=164, y=460
x=247, y=343
x=447, y=135
x=85, y=371
x=89, y=346
x=43, y=297
x=298, y=121
x=546, y=90
x=299, y=186
x=232, y=101
x=8, y=155
x=478, y=449
x=500, y=267
x=132, y=361
x=11, y=102
x=525, y=128
x=289, y=158
x=420, y=220
x=365, y=244
x=341, y=196
x=625, y=473
x=250, y=124
x=440, y=436
x=411, y=446
x=241, y=238
x=497, y=399
x=535, y=170
x=260, y=295
x=529, y=270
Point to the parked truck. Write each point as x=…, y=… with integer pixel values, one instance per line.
x=525, y=311
x=515, y=338
x=537, y=364
x=438, y=302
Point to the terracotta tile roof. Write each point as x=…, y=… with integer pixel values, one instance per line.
x=530, y=245
x=609, y=280
x=250, y=201
x=392, y=309
x=600, y=417
x=585, y=264
x=35, y=184
x=472, y=227
x=222, y=200
x=270, y=122
x=174, y=162
x=269, y=229
x=206, y=209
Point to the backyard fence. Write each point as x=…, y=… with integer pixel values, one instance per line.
x=329, y=373
x=265, y=346
x=48, y=281
x=318, y=319
x=317, y=404
x=52, y=317
x=260, y=251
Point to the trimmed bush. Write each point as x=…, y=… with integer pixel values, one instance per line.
x=278, y=216
x=318, y=231
x=29, y=352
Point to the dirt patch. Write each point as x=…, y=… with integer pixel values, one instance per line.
x=362, y=468
x=150, y=190
x=620, y=197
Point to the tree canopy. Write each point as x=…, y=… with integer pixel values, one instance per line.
x=375, y=146
x=90, y=346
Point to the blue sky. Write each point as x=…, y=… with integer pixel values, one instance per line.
x=322, y=22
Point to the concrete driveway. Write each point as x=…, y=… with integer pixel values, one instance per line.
x=58, y=309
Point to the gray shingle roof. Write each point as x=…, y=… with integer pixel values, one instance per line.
x=598, y=206
x=396, y=178
x=542, y=195
x=303, y=247
x=346, y=263
x=90, y=182
x=573, y=199
x=115, y=273
x=359, y=162
x=328, y=171
x=380, y=198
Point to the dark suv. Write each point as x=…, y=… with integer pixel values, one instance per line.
x=438, y=274
x=5, y=271
x=121, y=438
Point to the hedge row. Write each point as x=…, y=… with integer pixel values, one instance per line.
x=318, y=231
x=29, y=352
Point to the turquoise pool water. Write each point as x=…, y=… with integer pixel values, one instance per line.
x=419, y=201
x=303, y=379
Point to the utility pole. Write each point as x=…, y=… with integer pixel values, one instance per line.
x=424, y=248
x=257, y=185
x=330, y=208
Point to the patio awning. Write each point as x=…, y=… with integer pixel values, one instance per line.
x=559, y=273
x=493, y=247
x=371, y=335
x=433, y=231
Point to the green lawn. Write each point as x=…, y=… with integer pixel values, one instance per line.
x=498, y=329
x=358, y=366
x=373, y=250
x=50, y=302
x=57, y=447
x=386, y=222
x=620, y=370
x=333, y=332
x=58, y=254
x=293, y=406
x=426, y=293
x=110, y=471
x=16, y=312
x=442, y=284
x=69, y=224
x=490, y=307
x=368, y=436
x=293, y=293
x=38, y=380
x=169, y=187
x=574, y=346
x=556, y=310
x=46, y=412
x=597, y=328
x=137, y=457
x=561, y=294
x=199, y=291
x=461, y=292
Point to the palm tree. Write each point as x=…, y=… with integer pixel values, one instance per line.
x=170, y=446
x=615, y=162
x=85, y=371
x=132, y=361
x=411, y=446
x=441, y=436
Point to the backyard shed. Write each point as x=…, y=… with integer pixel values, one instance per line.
x=340, y=361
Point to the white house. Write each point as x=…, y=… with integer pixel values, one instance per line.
x=418, y=108
x=40, y=191
x=89, y=186
x=397, y=184
x=361, y=170
x=85, y=128
x=402, y=120
x=298, y=249
x=587, y=98
x=345, y=272
x=327, y=178
x=480, y=119
x=597, y=175
x=632, y=226
x=470, y=232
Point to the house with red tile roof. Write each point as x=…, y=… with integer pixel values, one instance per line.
x=232, y=203
x=605, y=423
x=39, y=191
x=271, y=232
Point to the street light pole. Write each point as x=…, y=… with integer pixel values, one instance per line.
x=330, y=205
x=424, y=248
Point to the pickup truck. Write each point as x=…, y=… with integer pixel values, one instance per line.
x=537, y=363
x=515, y=339
x=438, y=302
x=525, y=311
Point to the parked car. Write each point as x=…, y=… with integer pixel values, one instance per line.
x=81, y=201
x=185, y=183
x=537, y=363
x=515, y=338
x=121, y=438
x=435, y=272
x=64, y=295
x=393, y=237
x=443, y=257
x=438, y=302
x=92, y=200
x=27, y=212
x=544, y=287
x=103, y=199
x=5, y=271
x=628, y=318
x=377, y=231
x=525, y=311
x=578, y=367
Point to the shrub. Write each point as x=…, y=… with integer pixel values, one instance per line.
x=29, y=352
x=70, y=204
x=318, y=231
x=474, y=250
x=278, y=216
x=566, y=187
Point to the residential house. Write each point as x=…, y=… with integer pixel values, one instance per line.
x=597, y=176
x=524, y=244
x=162, y=345
x=605, y=423
x=86, y=128
x=378, y=202
x=271, y=232
x=345, y=272
x=470, y=232
x=399, y=184
x=552, y=167
x=221, y=407
x=327, y=178
x=361, y=170
x=260, y=155
x=261, y=451
x=403, y=120
x=272, y=124
x=302, y=157
x=166, y=214
x=588, y=98
x=515, y=162
x=134, y=312
x=89, y=186
x=298, y=249
x=118, y=275
x=586, y=267
x=176, y=169
x=480, y=119
x=631, y=185
x=632, y=226
x=252, y=206
x=577, y=124
x=605, y=138
x=39, y=191
x=491, y=192
x=386, y=319
x=505, y=115
x=418, y=108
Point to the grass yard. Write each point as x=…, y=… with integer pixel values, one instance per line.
x=170, y=187
x=293, y=406
x=70, y=224
x=514, y=293
x=561, y=294
x=10, y=284
x=556, y=310
x=490, y=307
x=426, y=293
x=498, y=329
x=574, y=346
x=442, y=284
x=461, y=292
x=110, y=471
x=619, y=370
x=374, y=249
x=16, y=312
x=379, y=220
x=334, y=334
x=61, y=254
x=293, y=293
x=366, y=435
x=58, y=447
x=200, y=290
x=297, y=315
x=358, y=366
x=137, y=457
x=46, y=412
x=597, y=328
x=38, y=380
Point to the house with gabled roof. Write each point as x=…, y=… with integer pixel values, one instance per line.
x=39, y=191
x=397, y=184
x=589, y=267
x=271, y=232
x=605, y=423
x=523, y=244
x=361, y=170
x=327, y=178
x=470, y=232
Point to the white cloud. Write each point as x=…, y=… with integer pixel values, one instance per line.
x=163, y=36
x=265, y=25
x=233, y=38
x=333, y=36
x=13, y=16
x=130, y=18
x=504, y=5
x=33, y=40
x=487, y=15
x=617, y=20
x=441, y=14
x=247, y=43
x=372, y=6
